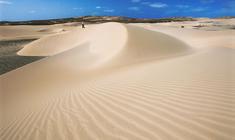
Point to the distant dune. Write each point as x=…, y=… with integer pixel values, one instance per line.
x=117, y=81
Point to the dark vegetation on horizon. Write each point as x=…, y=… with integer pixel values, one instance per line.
x=96, y=19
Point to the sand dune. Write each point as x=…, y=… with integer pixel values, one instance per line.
x=65, y=41
x=116, y=85
x=96, y=45
x=30, y=31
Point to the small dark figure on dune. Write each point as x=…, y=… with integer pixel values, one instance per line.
x=83, y=25
x=182, y=26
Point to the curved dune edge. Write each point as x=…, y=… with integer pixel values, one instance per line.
x=76, y=95
x=95, y=45
x=55, y=44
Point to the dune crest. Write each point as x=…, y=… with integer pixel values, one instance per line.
x=96, y=44
x=94, y=35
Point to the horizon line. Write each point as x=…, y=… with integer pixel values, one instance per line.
x=115, y=16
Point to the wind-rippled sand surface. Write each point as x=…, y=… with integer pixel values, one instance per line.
x=113, y=81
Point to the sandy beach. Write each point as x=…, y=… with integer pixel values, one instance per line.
x=116, y=81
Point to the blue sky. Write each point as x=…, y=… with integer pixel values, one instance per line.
x=13, y=10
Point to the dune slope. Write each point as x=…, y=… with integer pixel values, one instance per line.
x=101, y=89
x=54, y=44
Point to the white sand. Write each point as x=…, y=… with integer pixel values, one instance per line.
x=33, y=31
x=114, y=81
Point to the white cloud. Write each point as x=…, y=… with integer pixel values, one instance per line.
x=134, y=8
x=5, y=2
x=158, y=5
x=135, y=1
x=109, y=10
x=154, y=5
x=98, y=7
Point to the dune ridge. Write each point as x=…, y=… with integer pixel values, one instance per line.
x=125, y=43
x=70, y=39
x=78, y=92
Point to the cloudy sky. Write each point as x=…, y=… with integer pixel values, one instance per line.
x=47, y=9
